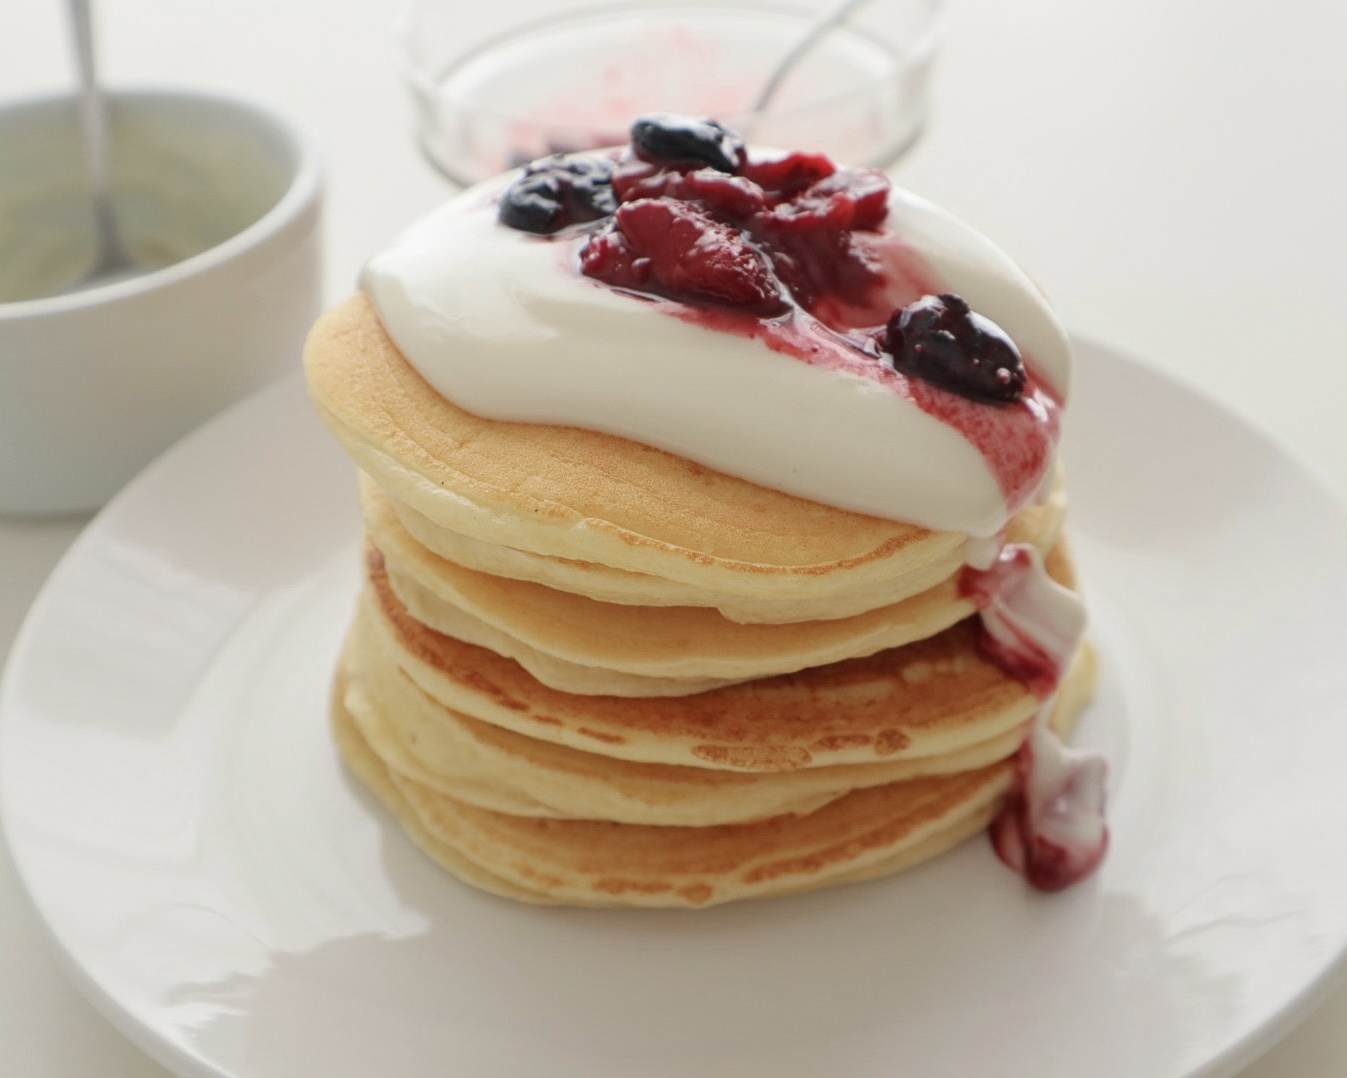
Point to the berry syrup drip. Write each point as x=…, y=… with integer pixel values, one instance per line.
x=1016, y=439
x=1031, y=625
x=1051, y=828
x=791, y=251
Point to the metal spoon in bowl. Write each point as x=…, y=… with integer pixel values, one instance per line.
x=111, y=261
x=832, y=17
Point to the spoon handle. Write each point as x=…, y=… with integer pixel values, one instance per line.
x=93, y=130
x=831, y=17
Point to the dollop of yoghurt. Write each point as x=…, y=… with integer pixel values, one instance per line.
x=503, y=323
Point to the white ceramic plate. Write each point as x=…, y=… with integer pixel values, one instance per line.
x=233, y=902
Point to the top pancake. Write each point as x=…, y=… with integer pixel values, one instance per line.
x=566, y=493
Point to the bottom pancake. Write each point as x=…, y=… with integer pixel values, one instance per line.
x=860, y=835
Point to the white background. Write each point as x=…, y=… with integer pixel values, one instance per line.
x=1173, y=171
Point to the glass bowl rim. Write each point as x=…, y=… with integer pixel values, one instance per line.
x=425, y=82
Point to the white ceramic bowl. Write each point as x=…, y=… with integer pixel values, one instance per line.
x=575, y=80
x=224, y=196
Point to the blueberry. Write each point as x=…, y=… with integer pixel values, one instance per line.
x=942, y=341
x=556, y=192
x=665, y=138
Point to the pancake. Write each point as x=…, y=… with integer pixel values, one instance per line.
x=685, y=649
x=1036, y=524
x=863, y=834
x=605, y=583
x=929, y=697
x=550, y=746
x=484, y=765
x=561, y=492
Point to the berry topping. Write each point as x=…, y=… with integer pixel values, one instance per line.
x=732, y=198
x=940, y=340
x=665, y=139
x=680, y=251
x=789, y=175
x=556, y=192
x=757, y=233
x=845, y=201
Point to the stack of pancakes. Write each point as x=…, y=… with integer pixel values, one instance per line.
x=584, y=670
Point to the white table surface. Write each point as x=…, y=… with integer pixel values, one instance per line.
x=1173, y=172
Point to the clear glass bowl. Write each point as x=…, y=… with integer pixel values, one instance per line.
x=575, y=80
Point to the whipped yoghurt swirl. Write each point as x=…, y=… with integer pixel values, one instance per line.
x=505, y=323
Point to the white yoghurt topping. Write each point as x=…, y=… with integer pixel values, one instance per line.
x=502, y=322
